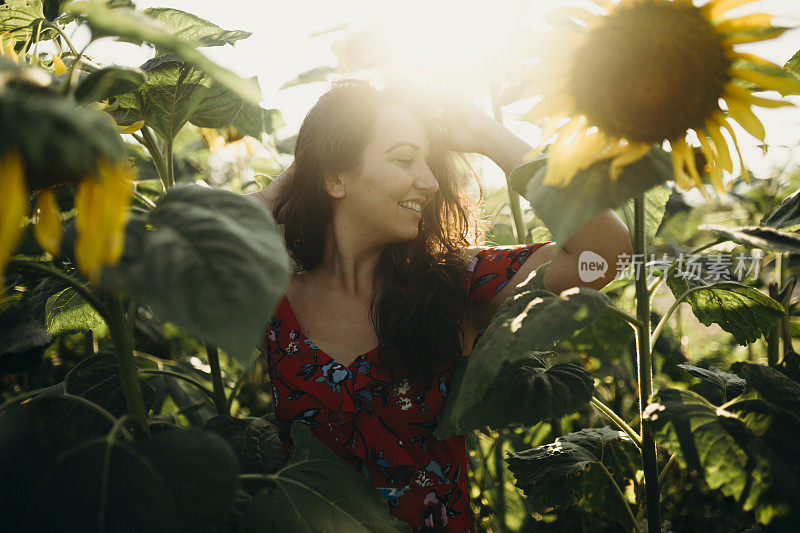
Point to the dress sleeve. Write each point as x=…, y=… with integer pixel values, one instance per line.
x=493, y=267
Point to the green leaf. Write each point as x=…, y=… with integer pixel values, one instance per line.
x=730, y=456
x=136, y=27
x=529, y=320
x=771, y=384
x=253, y=120
x=310, y=76
x=567, y=471
x=527, y=392
x=793, y=65
x=730, y=384
x=757, y=237
x=22, y=341
x=193, y=28
x=201, y=472
x=318, y=491
x=16, y=17
x=103, y=485
x=255, y=442
x=654, y=208
x=173, y=94
x=108, y=82
x=769, y=70
x=68, y=311
x=786, y=214
x=590, y=192
x=740, y=310
x=210, y=261
x=608, y=338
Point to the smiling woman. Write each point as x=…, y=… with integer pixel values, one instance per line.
x=390, y=289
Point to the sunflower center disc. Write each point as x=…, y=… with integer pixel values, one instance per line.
x=650, y=71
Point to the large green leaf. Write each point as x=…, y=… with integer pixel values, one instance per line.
x=730, y=384
x=763, y=237
x=22, y=341
x=740, y=310
x=730, y=456
x=16, y=17
x=527, y=392
x=193, y=28
x=608, y=338
x=529, y=320
x=174, y=94
x=201, y=472
x=654, y=207
x=318, y=491
x=591, y=191
x=134, y=26
x=103, y=485
x=255, y=442
x=68, y=311
x=108, y=82
x=568, y=471
x=771, y=384
x=210, y=261
x=253, y=120
x=786, y=214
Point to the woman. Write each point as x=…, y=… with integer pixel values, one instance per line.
x=389, y=292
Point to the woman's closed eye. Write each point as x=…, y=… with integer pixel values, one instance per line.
x=405, y=161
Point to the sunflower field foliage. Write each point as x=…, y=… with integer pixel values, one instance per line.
x=137, y=282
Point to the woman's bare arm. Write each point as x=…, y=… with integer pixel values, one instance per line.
x=269, y=194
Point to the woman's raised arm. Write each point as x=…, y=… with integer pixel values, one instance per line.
x=268, y=194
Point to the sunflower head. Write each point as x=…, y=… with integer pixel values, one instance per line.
x=648, y=71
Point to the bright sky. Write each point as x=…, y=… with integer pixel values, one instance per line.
x=454, y=31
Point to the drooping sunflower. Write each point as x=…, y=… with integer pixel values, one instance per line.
x=649, y=71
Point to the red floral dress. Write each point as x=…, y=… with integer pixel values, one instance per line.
x=383, y=428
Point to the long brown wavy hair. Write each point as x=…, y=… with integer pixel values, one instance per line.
x=418, y=301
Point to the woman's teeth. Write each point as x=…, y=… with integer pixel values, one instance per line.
x=412, y=205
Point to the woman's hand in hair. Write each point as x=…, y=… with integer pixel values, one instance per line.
x=268, y=194
x=466, y=124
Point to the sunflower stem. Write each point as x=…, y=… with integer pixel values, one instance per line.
x=170, y=165
x=216, y=380
x=149, y=142
x=621, y=496
x=645, y=367
x=128, y=374
x=513, y=197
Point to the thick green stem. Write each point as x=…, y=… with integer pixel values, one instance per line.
x=621, y=496
x=150, y=143
x=645, y=367
x=619, y=422
x=216, y=380
x=128, y=372
x=513, y=197
x=633, y=321
x=170, y=165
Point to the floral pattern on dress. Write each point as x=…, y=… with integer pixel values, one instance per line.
x=383, y=428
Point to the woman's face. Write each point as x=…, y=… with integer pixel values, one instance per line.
x=394, y=175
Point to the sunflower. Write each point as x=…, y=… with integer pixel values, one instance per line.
x=101, y=205
x=649, y=71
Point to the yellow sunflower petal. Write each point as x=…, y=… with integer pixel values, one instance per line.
x=713, y=131
x=691, y=165
x=742, y=114
x=751, y=37
x=742, y=94
x=680, y=177
x=752, y=58
x=89, y=241
x=133, y=128
x=755, y=21
x=608, y=5
x=720, y=119
x=59, y=67
x=713, y=163
x=13, y=202
x=634, y=153
x=48, y=224
x=564, y=15
x=765, y=81
x=716, y=8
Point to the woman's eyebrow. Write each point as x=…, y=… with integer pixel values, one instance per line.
x=403, y=143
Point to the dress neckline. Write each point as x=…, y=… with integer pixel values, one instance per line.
x=288, y=304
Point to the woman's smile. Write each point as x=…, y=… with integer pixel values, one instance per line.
x=412, y=205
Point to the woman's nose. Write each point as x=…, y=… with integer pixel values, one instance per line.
x=426, y=180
